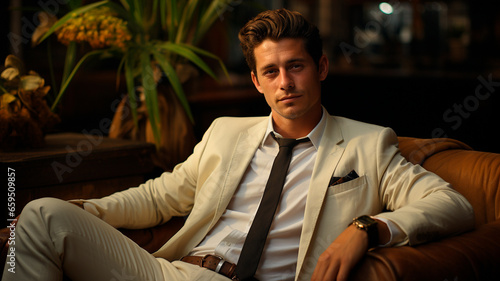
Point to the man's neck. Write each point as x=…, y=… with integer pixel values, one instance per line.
x=296, y=128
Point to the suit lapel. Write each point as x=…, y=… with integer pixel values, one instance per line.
x=244, y=150
x=327, y=159
x=193, y=232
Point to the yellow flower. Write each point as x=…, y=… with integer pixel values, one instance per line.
x=99, y=27
x=80, y=37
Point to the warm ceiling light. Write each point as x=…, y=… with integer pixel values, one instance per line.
x=386, y=8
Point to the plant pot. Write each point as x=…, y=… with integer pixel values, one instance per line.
x=176, y=130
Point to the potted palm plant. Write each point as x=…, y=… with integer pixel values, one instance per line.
x=153, y=40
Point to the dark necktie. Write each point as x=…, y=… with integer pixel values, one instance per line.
x=257, y=235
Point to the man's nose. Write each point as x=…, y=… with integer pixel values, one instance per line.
x=286, y=81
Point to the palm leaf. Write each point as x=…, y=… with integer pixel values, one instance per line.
x=126, y=4
x=208, y=18
x=172, y=16
x=119, y=71
x=3, y=89
x=122, y=12
x=72, y=74
x=163, y=14
x=70, y=60
x=129, y=79
x=172, y=77
x=186, y=20
x=207, y=54
x=137, y=11
x=188, y=54
x=151, y=14
x=151, y=96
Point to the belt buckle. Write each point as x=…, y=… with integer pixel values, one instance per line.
x=219, y=265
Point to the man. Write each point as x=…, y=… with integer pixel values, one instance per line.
x=340, y=170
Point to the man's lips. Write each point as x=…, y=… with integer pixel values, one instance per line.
x=289, y=98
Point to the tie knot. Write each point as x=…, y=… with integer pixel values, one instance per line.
x=290, y=143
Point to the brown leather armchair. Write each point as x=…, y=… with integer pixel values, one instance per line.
x=474, y=255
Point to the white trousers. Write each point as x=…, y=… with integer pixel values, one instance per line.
x=54, y=237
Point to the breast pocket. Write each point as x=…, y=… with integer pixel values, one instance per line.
x=347, y=187
x=343, y=202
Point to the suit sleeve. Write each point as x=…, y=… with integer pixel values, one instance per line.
x=155, y=201
x=420, y=203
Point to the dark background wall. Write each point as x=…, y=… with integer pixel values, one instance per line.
x=423, y=71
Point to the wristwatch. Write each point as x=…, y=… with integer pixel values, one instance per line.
x=369, y=225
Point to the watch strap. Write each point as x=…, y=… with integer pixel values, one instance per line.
x=369, y=225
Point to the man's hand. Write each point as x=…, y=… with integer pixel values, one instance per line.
x=342, y=255
x=345, y=252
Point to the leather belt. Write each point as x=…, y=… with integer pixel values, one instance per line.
x=213, y=263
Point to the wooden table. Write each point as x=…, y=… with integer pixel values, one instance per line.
x=75, y=165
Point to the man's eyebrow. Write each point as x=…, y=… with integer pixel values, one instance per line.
x=295, y=60
x=271, y=65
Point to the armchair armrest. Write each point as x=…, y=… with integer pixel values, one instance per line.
x=473, y=255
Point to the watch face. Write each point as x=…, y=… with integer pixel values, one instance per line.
x=369, y=225
x=366, y=220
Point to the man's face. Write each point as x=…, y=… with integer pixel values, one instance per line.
x=289, y=79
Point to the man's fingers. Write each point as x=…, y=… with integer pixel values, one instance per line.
x=327, y=267
x=331, y=273
x=343, y=273
x=341, y=256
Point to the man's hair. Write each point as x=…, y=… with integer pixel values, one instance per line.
x=276, y=25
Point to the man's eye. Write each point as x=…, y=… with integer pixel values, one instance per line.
x=297, y=66
x=270, y=72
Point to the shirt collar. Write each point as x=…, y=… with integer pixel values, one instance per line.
x=315, y=135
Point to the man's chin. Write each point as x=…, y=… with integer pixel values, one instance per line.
x=290, y=113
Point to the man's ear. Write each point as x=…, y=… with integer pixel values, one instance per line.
x=255, y=81
x=323, y=67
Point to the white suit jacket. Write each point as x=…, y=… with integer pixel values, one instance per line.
x=419, y=202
